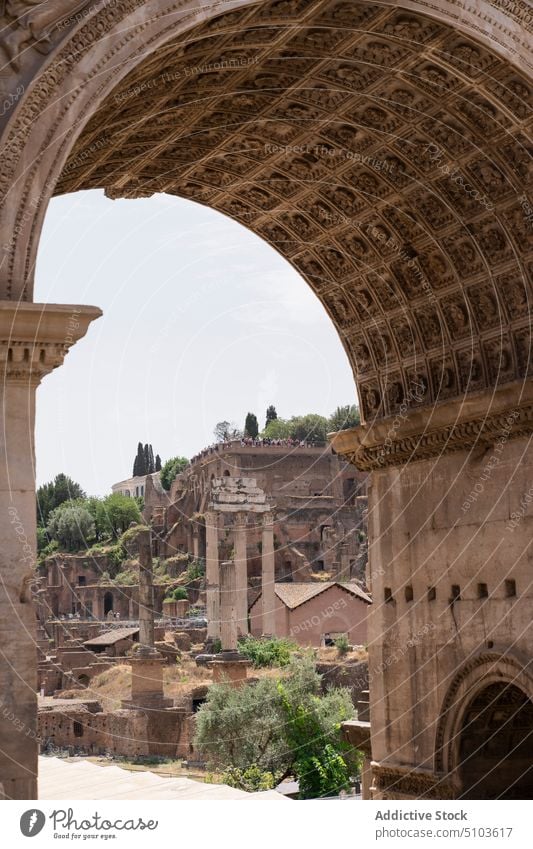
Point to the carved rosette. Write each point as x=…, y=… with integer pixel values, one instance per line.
x=35, y=338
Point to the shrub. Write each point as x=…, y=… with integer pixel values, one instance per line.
x=272, y=652
x=280, y=727
x=172, y=468
x=180, y=594
x=72, y=525
x=342, y=645
x=251, y=780
x=195, y=570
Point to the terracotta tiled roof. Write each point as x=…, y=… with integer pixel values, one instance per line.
x=293, y=595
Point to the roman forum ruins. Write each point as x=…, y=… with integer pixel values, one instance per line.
x=384, y=150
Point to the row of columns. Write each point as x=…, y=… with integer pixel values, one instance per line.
x=215, y=625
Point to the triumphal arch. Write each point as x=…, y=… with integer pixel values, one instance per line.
x=384, y=149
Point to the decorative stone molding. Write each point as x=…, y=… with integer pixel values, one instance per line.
x=458, y=425
x=428, y=288
x=477, y=673
x=392, y=782
x=35, y=338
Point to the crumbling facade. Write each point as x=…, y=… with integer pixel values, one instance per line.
x=319, y=523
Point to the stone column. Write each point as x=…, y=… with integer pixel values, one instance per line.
x=241, y=572
x=228, y=606
x=34, y=339
x=268, y=576
x=229, y=666
x=195, y=542
x=212, y=577
x=146, y=592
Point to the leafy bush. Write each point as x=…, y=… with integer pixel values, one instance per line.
x=195, y=570
x=180, y=594
x=71, y=525
x=342, y=645
x=251, y=780
x=272, y=652
x=172, y=468
x=127, y=578
x=281, y=727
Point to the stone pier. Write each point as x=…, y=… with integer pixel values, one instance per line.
x=34, y=339
x=147, y=663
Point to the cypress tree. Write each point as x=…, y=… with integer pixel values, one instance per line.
x=271, y=414
x=251, y=428
x=157, y=463
x=141, y=463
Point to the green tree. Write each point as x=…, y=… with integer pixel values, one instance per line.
x=277, y=429
x=139, y=466
x=224, y=431
x=344, y=417
x=51, y=495
x=284, y=727
x=114, y=514
x=271, y=414
x=251, y=427
x=157, y=463
x=72, y=525
x=172, y=468
x=309, y=428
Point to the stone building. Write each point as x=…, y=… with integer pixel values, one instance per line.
x=134, y=487
x=73, y=585
x=385, y=150
x=319, y=517
x=314, y=614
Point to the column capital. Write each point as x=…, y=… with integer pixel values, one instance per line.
x=241, y=518
x=35, y=338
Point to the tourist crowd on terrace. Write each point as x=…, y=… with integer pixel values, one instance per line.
x=258, y=442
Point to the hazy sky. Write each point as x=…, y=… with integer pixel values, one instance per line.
x=203, y=321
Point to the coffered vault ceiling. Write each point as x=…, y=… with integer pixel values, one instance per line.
x=383, y=154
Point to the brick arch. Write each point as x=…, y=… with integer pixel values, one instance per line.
x=332, y=130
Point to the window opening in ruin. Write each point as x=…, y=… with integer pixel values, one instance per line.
x=408, y=593
x=482, y=591
x=77, y=728
x=432, y=593
x=108, y=602
x=510, y=588
x=388, y=595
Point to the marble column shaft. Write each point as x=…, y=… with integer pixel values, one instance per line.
x=268, y=596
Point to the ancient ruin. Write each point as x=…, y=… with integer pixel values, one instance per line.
x=384, y=149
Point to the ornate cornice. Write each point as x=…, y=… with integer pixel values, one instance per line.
x=457, y=425
x=35, y=338
x=392, y=782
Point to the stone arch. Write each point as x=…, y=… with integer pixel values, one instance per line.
x=108, y=602
x=425, y=277
x=481, y=672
